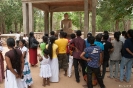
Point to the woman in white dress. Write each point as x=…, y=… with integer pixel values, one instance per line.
x=45, y=70
x=53, y=48
x=26, y=71
x=15, y=64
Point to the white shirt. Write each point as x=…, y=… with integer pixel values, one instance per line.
x=122, y=38
x=25, y=38
x=17, y=37
x=24, y=49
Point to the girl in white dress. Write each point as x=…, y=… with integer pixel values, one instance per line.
x=26, y=71
x=45, y=70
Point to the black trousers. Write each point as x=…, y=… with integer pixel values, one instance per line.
x=104, y=65
x=98, y=76
x=76, y=62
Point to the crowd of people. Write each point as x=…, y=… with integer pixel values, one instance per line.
x=93, y=54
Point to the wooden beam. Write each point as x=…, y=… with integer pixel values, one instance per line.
x=51, y=21
x=93, y=17
x=40, y=6
x=86, y=18
x=49, y=1
x=66, y=8
x=46, y=24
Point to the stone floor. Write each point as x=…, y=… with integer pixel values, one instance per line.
x=66, y=82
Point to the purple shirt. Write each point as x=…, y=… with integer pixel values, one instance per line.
x=79, y=43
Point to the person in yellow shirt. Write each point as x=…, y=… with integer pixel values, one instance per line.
x=62, y=56
x=53, y=50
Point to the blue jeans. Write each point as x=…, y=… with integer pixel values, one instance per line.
x=126, y=62
x=115, y=73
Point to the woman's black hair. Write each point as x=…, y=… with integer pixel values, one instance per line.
x=31, y=36
x=130, y=32
x=50, y=46
x=99, y=37
x=117, y=36
x=46, y=51
x=45, y=39
x=24, y=42
x=16, y=61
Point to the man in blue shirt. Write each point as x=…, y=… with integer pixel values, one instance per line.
x=93, y=62
x=98, y=41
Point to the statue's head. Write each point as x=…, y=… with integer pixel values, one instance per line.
x=66, y=16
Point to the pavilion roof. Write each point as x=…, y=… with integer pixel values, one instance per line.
x=60, y=5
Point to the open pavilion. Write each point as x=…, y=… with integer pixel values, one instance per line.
x=51, y=6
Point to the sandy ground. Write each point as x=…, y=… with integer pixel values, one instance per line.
x=66, y=82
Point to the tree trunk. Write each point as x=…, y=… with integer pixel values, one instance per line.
x=20, y=25
x=3, y=27
x=124, y=23
x=128, y=25
x=117, y=25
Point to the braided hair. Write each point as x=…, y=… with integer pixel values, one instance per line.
x=50, y=46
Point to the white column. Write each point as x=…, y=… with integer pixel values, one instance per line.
x=31, y=17
x=25, y=18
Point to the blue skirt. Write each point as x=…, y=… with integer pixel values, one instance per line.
x=27, y=74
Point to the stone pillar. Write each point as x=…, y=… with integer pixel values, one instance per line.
x=86, y=18
x=31, y=16
x=51, y=21
x=46, y=24
x=25, y=18
x=93, y=17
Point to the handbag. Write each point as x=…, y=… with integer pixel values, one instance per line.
x=33, y=45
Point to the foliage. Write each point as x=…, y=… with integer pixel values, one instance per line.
x=11, y=12
x=114, y=10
